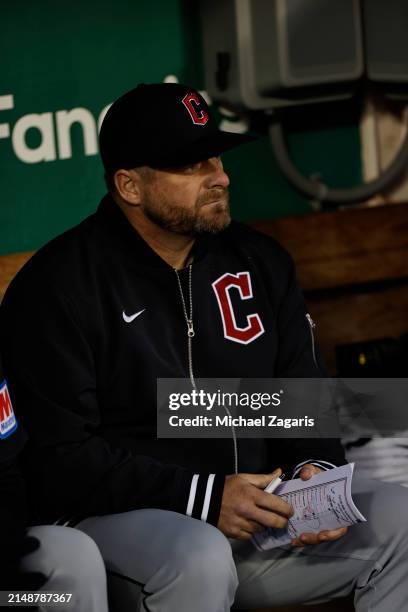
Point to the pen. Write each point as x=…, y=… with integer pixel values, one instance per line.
x=274, y=484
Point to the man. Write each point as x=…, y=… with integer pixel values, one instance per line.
x=55, y=559
x=159, y=283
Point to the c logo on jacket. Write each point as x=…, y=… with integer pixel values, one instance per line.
x=222, y=287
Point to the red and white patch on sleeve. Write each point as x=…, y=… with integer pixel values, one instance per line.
x=8, y=421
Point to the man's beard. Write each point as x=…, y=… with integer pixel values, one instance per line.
x=181, y=220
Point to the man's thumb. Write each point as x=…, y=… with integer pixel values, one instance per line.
x=262, y=480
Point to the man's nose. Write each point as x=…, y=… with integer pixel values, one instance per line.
x=218, y=177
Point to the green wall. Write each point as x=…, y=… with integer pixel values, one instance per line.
x=63, y=56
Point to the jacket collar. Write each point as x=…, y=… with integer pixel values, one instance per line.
x=119, y=231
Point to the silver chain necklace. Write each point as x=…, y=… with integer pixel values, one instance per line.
x=189, y=320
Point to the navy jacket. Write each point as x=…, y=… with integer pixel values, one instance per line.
x=12, y=487
x=86, y=378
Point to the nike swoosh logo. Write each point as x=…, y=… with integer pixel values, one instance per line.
x=130, y=318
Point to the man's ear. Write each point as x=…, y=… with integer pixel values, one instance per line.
x=128, y=186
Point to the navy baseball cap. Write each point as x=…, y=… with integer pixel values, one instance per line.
x=162, y=125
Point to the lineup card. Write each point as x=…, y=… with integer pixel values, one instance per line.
x=323, y=502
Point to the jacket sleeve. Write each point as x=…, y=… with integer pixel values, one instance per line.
x=299, y=357
x=12, y=517
x=12, y=491
x=72, y=470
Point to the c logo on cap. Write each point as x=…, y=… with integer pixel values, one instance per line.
x=199, y=118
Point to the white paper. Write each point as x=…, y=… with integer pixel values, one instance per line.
x=323, y=502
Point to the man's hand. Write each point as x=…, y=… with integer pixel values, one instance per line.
x=246, y=509
x=307, y=471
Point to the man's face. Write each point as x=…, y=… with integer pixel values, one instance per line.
x=189, y=200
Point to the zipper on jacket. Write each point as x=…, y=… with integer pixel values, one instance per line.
x=190, y=335
x=189, y=322
x=312, y=326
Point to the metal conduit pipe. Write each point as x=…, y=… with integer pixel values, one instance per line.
x=317, y=190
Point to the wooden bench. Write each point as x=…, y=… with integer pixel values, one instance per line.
x=353, y=268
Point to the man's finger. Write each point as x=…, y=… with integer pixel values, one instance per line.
x=308, y=471
x=269, y=519
x=273, y=503
x=332, y=534
x=306, y=538
x=250, y=526
x=298, y=543
x=243, y=535
x=317, y=538
x=261, y=480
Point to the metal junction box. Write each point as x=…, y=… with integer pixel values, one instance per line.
x=261, y=54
